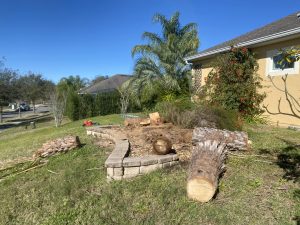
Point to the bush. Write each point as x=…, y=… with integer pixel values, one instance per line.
x=234, y=83
x=87, y=106
x=72, y=108
x=199, y=116
x=107, y=103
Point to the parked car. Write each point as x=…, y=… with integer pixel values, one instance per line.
x=24, y=107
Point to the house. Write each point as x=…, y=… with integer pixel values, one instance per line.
x=108, y=85
x=265, y=42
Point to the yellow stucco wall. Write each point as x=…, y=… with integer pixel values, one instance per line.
x=273, y=95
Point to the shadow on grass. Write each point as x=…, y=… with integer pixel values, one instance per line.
x=289, y=160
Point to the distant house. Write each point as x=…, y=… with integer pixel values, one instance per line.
x=265, y=42
x=109, y=85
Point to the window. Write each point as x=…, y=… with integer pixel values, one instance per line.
x=274, y=68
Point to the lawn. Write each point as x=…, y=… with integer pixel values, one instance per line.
x=260, y=187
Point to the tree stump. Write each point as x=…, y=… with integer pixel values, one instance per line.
x=162, y=146
x=235, y=140
x=207, y=164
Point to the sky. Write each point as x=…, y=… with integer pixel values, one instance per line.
x=58, y=38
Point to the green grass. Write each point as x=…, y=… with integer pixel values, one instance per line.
x=20, y=142
x=72, y=189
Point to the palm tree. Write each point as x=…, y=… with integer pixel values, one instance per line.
x=74, y=83
x=160, y=64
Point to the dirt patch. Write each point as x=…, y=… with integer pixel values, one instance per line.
x=142, y=138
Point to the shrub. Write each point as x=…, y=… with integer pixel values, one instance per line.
x=73, y=103
x=233, y=83
x=107, y=103
x=87, y=106
x=199, y=116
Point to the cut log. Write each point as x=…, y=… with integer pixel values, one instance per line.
x=207, y=164
x=155, y=118
x=162, y=146
x=235, y=140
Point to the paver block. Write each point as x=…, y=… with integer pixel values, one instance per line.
x=149, y=160
x=165, y=158
x=110, y=171
x=111, y=162
x=149, y=168
x=131, y=161
x=118, y=171
x=132, y=171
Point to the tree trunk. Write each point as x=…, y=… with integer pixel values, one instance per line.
x=234, y=140
x=19, y=111
x=1, y=110
x=207, y=164
x=33, y=103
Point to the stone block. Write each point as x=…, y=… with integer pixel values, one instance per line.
x=149, y=160
x=112, y=162
x=131, y=161
x=110, y=171
x=165, y=158
x=118, y=171
x=132, y=171
x=117, y=155
x=149, y=168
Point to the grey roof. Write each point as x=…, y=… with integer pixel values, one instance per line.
x=110, y=84
x=285, y=24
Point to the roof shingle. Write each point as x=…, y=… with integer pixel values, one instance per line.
x=287, y=23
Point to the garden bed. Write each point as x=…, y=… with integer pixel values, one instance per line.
x=141, y=139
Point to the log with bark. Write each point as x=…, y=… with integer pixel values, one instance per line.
x=210, y=147
x=234, y=140
x=207, y=164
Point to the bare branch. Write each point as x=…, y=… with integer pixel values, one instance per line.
x=291, y=100
x=58, y=105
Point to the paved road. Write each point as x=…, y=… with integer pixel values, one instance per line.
x=15, y=115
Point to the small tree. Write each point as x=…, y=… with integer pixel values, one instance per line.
x=58, y=106
x=233, y=83
x=125, y=94
x=34, y=87
x=8, y=90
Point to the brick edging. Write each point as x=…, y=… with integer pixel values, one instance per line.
x=119, y=165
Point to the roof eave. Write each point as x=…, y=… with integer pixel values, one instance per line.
x=260, y=41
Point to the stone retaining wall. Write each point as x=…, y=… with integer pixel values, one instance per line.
x=119, y=165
